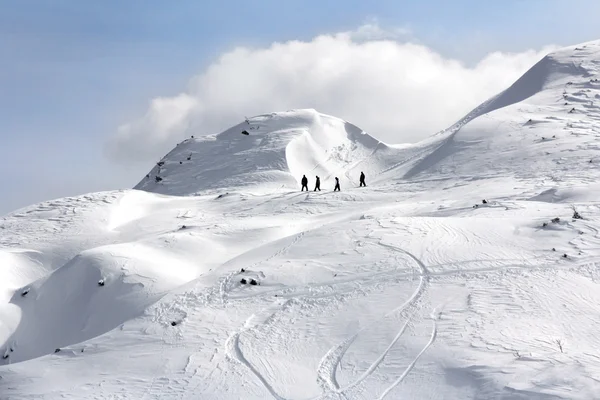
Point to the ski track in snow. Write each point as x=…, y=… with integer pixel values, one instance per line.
x=414, y=361
x=235, y=352
x=331, y=361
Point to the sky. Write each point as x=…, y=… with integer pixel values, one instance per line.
x=92, y=94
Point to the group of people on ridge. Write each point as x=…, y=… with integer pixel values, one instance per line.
x=337, y=183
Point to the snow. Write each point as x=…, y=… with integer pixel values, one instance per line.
x=409, y=288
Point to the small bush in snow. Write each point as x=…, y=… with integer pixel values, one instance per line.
x=553, y=249
x=160, y=163
x=545, y=224
x=253, y=282
x=24, y=292
x=56, y=350
x=559, y=343
x=243, y=281
x=555, y=220
x=484, y=201
x=158, y=179
x=576, y=214
x=242, y=270
x=565, y=255
x=517, y=354
x=173, y=323
x=101, y=282
x=190, y=156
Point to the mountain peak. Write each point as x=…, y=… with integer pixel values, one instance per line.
x=270, y=150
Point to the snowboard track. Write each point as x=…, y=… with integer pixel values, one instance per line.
x=414, y=361
x=331, y=361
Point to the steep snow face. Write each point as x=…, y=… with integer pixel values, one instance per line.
x=279, y=149
x=542, y=127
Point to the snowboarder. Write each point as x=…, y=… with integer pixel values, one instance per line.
x=318, y=184
x=337, y=185
x=304, y=183
x=362, y=179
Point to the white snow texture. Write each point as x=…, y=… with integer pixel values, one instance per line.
x=413, y=287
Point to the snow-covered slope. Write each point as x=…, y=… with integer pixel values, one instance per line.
x=409, y=288
x=277, y=151
x=543, y=127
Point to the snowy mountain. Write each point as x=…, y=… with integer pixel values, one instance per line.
x=221, y=280
x=269, y=153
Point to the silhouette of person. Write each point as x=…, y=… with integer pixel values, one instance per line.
x=318, y=184
x=337, y=185
x=362, y=179
x=304, y=183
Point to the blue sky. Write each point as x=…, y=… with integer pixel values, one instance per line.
x=72, y=71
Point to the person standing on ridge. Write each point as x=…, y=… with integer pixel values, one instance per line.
x=304, y=183
x=318, y=184
x=362, y=179
x=337, y=184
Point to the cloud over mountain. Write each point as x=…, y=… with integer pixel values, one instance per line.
x=397, y=90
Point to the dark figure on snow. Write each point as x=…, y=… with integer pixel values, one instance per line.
x=304, y=183
x=318, y=184
x=362, y=179
x=337, y=185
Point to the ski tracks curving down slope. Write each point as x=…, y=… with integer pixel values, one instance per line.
x=331, y=361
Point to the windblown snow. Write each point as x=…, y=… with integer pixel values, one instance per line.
x=466, y=269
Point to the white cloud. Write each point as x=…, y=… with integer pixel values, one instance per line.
x=372, y=30
x=397, y=91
